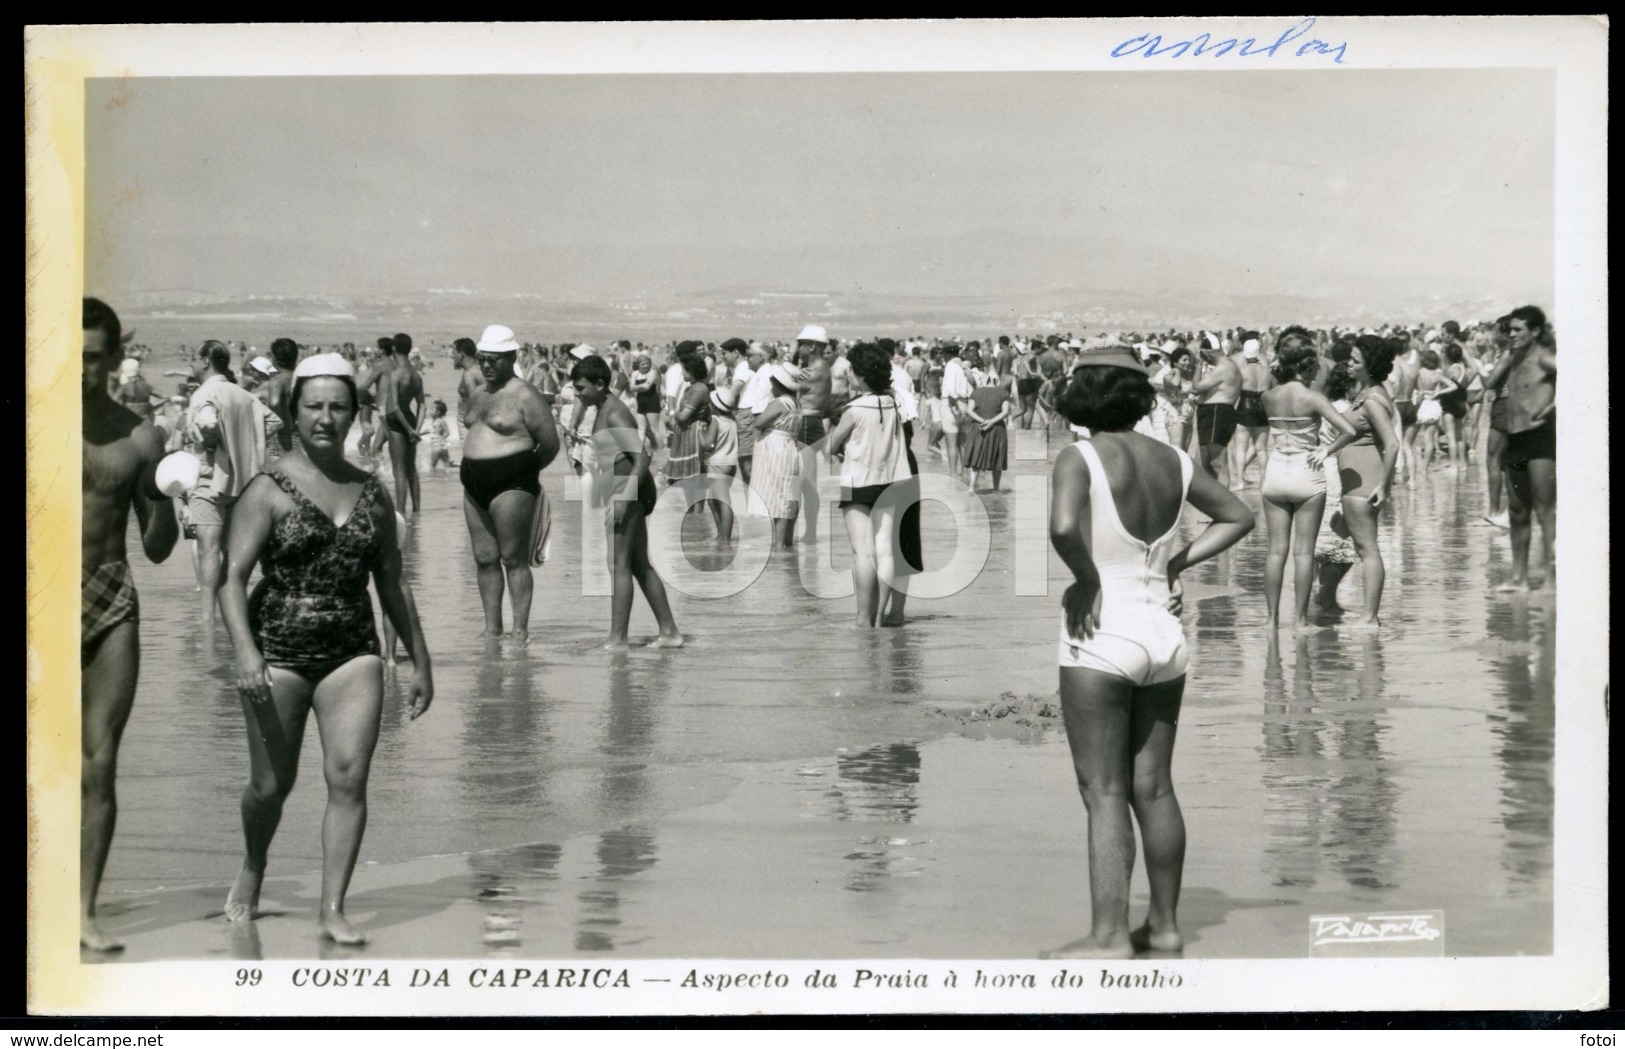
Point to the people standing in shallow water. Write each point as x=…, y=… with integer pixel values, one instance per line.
x=509, y=440
x=621, y=483
x=1294, y=487
x=1114, y=520
x=319, y=527
x=121, y=455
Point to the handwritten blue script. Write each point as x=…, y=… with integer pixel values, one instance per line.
x=1151, y=46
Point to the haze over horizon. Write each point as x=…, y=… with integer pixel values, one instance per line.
x=1374, y=186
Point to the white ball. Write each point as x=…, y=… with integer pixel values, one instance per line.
x=177, y=473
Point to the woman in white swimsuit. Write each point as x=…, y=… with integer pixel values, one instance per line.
x=1115, y=522
x=1294, y=488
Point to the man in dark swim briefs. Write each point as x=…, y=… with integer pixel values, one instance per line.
x=509, y=439
x=404, y=387
x=121, y=454
x=1251, y=418
x=1530, y=460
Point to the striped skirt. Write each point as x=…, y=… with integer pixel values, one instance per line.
x=776, y=476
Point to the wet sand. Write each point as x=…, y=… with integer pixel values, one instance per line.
x=787, y=787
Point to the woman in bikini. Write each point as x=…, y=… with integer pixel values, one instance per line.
x=1294, y=487
x=1114, y=520
x=320, y=528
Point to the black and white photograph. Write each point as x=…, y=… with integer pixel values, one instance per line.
x=1068, y=505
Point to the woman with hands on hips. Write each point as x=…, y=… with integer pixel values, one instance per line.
x=1114, y=519
x=320, y=527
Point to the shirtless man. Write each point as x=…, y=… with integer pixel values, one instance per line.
x=401, y=410
x=626, y=490
x=276, y=393
x=366, y=382
x=509, y=439
x=1253, y=423
x=1218, y=389
x=840, y=381
x=1530, y=459
x=470, y=385
x=121, y=453
x=813, y=393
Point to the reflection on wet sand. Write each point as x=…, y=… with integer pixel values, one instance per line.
x=1526, y=729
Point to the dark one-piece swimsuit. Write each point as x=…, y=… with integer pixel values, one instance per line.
x=311, y=613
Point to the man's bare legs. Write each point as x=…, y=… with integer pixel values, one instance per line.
x=512, y=513
x=1532, y=494
x=488, y=574
x=210, y=566
x=106, y=694
x=403, y=460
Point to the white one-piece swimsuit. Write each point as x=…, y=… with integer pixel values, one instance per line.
x=1138, y=638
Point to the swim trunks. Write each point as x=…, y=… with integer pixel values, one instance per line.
x=1250, y=412
x=106, y=598
x=1215, y=424
x=1527, y=445
x=1028, y=387
x=1407, y=412
x=485, y=479
x=406, y=428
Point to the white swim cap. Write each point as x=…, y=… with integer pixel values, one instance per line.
x=332, y=365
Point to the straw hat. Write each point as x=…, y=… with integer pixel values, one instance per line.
x=788, y=375
x=813, y=333
x=1110, y=355
x=722, y=400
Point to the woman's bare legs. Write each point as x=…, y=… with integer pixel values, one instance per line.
x=348, y=703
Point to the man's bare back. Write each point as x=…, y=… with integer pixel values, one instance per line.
x=1222, y=383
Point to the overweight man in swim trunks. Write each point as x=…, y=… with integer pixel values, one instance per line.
x=1219, y=389
x=121, y=452
x=510, y=438
x=1530, y=460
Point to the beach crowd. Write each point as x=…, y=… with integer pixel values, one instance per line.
x=253, y=462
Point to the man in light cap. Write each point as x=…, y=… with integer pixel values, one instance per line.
x=510, y=438
x=1218, y=389
x=1252, y=420
x=813, y=399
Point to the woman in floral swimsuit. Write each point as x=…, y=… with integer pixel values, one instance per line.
x=319, y=527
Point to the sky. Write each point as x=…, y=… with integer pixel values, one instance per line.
x=615, y=187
